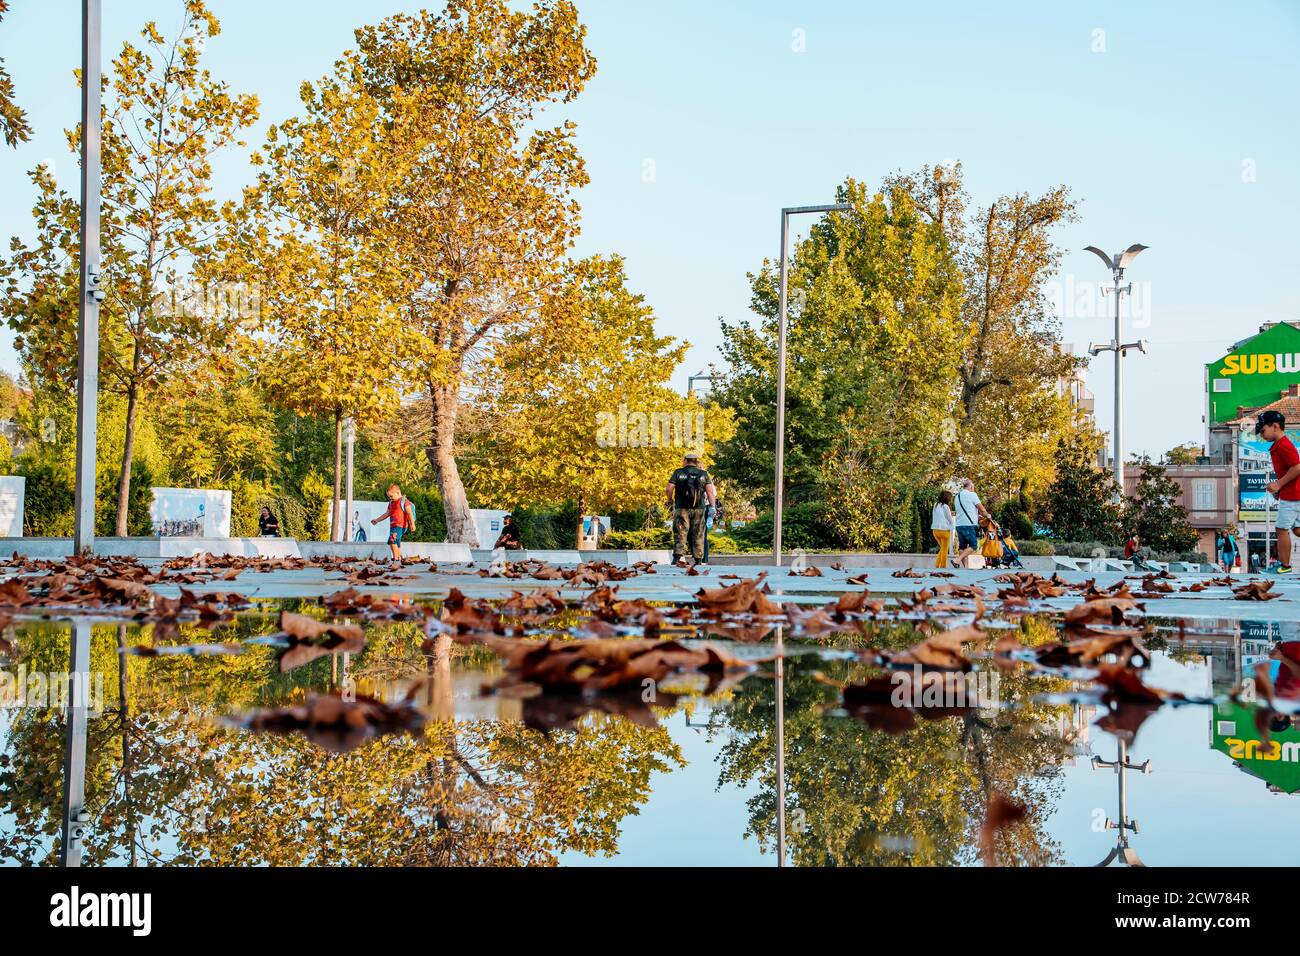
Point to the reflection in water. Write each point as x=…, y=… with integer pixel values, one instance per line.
x=75, y=818
x=154, y=776
x=162, y=781
x=1122, y=765
x=859, y=796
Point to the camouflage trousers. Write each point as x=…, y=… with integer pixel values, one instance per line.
x=688, y=533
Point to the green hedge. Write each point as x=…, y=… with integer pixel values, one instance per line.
x=661, y=539
x=803, y=526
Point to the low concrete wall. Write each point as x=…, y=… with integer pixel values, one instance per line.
x=613, y=556
x=376, y=550
x=851, y=560
x=54, y=548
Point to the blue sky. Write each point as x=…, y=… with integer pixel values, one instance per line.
x=1177, y=125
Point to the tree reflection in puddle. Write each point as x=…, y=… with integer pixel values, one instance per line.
x=500, y=780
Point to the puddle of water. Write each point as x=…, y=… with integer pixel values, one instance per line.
x=171, y=777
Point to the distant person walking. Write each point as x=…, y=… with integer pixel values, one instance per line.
x=968, y=511
x=267, y=525
x=690, y=494
x=401, y=520
x=1228, y=551
x=941, y=524
x=1271, y=426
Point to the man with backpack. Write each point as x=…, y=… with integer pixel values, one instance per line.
x=690, y=494
x=401, y=519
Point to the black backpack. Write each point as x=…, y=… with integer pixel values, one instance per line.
x=690, y=492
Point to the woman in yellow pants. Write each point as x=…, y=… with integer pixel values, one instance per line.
x=942, y=522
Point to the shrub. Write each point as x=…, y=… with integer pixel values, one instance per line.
x=548, y=527
x=289, y=511
x=49, y=500
x=139, y=503
x=651, y=539
x=430, y=519
x=804, y=526
x=316, y=495
x=246, y=501
x=1036, y=547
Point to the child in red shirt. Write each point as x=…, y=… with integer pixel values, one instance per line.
x=1271, y=426
x=400, y=520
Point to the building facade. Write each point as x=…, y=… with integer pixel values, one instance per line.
x=1260, y=372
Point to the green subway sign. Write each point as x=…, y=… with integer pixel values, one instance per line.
x=1255, y=374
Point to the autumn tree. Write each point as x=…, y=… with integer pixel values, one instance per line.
x=1010, y=411
x=483, y=216
x=13, y=121
x=874, y=348
x=1155, y=512
x=1082, y=501
x=578, y=406
x=328, y=333
x=165, y=118
x=1184, y=454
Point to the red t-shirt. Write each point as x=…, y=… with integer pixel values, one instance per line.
x=1287, y=684
x=397, y=513
x=1285, y=457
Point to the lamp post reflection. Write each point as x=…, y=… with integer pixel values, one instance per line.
x=75, y=818
x=1122, y=851
x=780, y=745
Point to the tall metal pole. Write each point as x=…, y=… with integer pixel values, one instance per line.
x=88, y=305
x=1119, y=394
x=778, y=509
x=351, y=433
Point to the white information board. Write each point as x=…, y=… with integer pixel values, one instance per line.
x=190, y=513
x=363, y=512
x=488, y=522
x=12, y=496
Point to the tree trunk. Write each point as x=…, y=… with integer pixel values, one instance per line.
x=445, y=403
x=128, y=453
x=336, y=522
x=582, y=504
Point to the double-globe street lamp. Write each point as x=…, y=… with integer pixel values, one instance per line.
x=779, y=486
x=1117, y=264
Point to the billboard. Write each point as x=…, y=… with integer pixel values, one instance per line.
x=190, y=513
x=1255, y=373
x=1277, y=762
x=1253, y=502
x=363, y=512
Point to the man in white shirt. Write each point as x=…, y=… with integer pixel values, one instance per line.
x=968, y=509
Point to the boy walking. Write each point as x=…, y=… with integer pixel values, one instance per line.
x=401, y=519
x=1271, y=426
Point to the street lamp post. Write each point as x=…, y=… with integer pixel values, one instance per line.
x=350, y=432
x=83, y=534
x=1117, y=264
x=779, y=487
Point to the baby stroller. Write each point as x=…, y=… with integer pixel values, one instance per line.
x=1010, y=552
x=998, y=549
